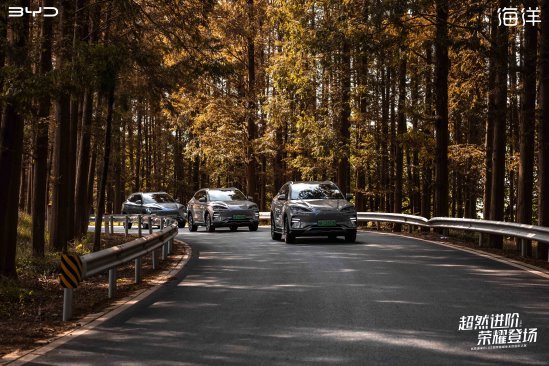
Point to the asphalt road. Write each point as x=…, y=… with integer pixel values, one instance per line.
x=386, y=300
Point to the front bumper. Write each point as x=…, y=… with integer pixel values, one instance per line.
x=230, y=217
x=322, y=224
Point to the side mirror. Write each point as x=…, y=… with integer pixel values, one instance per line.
x=349, y=196
x=202, y=199
x=250, y=198
x=177, y=200
x=282, y=197
x=138, y=202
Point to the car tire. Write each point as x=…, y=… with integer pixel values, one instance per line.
x=145, y=226
x=233, y=228
x=253, y=227
x=289, y=237
x=209, y=227
x=350, y=237
x=129, y=222
x=274, y=234
x=192, y=226
x=181, y=224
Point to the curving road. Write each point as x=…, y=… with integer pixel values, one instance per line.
x=384, y=300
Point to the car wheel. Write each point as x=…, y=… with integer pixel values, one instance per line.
x=192, y=226
x=145, y=226
x=253, y=227
x=289, y=237
x=234, y=228
x=181, y=224
x=274, y=234
x=350, y=237
x=129, y=223
x=209, y=226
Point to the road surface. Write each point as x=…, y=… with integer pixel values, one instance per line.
x=386, y=300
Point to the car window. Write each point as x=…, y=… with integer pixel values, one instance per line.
x=284, y=190
x=135, y=198
x=311, y=191
x=161, y=198
x=199, y=194
x=226, y=195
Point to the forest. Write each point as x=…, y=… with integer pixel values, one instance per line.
x=431, y=108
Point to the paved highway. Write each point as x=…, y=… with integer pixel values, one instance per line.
x=384, y=300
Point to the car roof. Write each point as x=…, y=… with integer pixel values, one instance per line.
x=148, y=193
x=311, y=182
x=220, y=189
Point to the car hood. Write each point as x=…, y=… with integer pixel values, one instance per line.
x=165, y=206
x=243, y=205
x=324, y=204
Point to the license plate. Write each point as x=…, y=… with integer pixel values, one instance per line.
x=239, y=217
x=326, y=222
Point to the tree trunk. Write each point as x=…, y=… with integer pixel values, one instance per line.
x=441, y=105
x=11, y=149
x=41, y=143
x=401, y=131
x=59, y=234
x=527, y=125
x=344, y=168
x=251, y=167
x=104, y=172
x=543, y=154
x=497, y=190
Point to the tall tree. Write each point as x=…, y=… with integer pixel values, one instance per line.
x=543, y=155
x=11, y=142
x=251, y=112
x=40, y=153
x=527, y=123
x=497, y=189
x=59, y=234
x=441, y=108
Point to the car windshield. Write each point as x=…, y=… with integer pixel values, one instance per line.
x=227, y=195
x=315, y=191
x=159, y=198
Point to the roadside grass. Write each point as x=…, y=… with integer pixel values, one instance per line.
x=31, y=305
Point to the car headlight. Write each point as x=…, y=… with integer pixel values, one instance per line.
x=300, y=209
x=349, y=210
x=217, y=207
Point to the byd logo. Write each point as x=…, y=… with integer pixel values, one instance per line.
x=46, y=11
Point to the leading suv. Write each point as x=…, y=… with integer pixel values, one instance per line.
x=312, y=209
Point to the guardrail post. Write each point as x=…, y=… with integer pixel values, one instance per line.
x=112, y=282
x=106, y=225
x=112, y=224
x=480, y=239
x=170, y=244
x=139, y=223
x=161, y=223
x=126, y=223
x=137, y=277
x=67, y=304
x=150, y=225
x=164, y=250
x=154, y=259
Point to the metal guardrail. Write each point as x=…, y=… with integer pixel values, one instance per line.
x=511, y=229
x=109, y=259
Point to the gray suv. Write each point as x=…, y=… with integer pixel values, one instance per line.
x=154, y=203
x=312, y=209
x=222, y=207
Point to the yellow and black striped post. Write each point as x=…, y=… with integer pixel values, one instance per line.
x=70, y=275
x=70, y=271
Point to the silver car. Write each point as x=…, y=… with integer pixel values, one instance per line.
x=222, y=207
x=312, y=209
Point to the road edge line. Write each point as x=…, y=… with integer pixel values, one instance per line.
x=495, y=257
x=90, y=321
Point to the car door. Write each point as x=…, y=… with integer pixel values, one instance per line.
x=138, y=208
x=278, y=205
x=198, y=217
